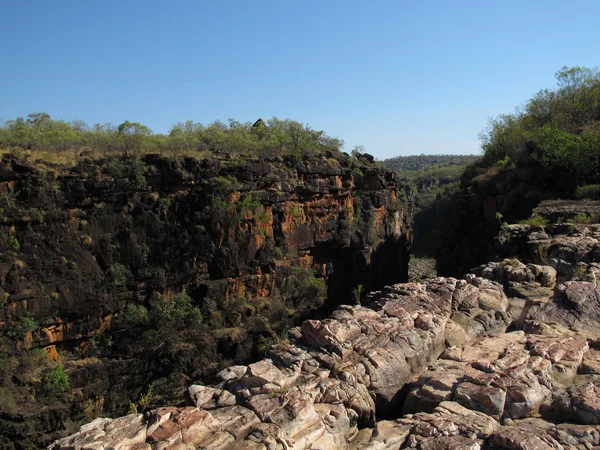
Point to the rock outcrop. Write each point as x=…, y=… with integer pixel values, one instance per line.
x=86, y=250
x=333, y=377
x=507, y=358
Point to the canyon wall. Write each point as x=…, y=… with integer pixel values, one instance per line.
x=83, y=248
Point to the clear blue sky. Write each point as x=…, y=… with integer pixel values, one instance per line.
x=398, y=77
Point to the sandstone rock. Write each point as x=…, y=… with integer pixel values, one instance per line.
x=487, y=390
x=581, y=402
x=124, y=433
x=506, y=376
x=336, y=373
x=576, y=305
x=209, y=398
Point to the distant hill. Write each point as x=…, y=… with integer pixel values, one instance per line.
x=434, y=176
x=420, y=162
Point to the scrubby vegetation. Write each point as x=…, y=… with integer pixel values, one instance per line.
x=547, y=149
x=415, y=163
x=51, y=140
x=435, y=179
x=433, y=176
x=557, y=129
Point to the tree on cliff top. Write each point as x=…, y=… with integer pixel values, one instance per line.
x=558, y=128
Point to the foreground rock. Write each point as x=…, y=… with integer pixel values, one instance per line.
x=453, y=427
x=333, y=377
x=435, y=354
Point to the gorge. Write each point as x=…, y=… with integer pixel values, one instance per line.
x=137, y=275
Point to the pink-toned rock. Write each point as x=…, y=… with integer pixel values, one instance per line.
x=337, y=374
x=210, y=398
x=189, y=426
x=124, y=433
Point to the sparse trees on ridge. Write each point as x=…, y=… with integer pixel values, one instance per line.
x=39, y=132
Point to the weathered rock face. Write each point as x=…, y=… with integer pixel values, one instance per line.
x=333, y=377
x=63, y=232
x=434, y=354
x=80, y=245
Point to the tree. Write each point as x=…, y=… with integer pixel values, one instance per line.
x=579, y=96
x=133, y=137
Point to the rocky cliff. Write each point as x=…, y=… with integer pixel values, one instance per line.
x=506, y=358
x=126, y=271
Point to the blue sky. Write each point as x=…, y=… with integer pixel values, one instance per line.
x=397, y=77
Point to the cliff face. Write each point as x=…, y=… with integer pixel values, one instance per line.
x=506, y=358
x=84, y=247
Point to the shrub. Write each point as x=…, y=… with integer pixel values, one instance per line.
x=119, y=274
x=295, y=211
x=536, y=221
x=591, y=191
x=135, y=315
x=580, y=271
x=14, y=243
x=357, y=294
x=303, y=289
x=56, y=380
x=580, y=218
x=278, y=253
x=543, y=253
x=175, y=311
x=20, y=328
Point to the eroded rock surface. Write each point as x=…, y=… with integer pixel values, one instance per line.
x=423, y=366
x=332, y=378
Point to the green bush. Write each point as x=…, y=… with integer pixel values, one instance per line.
x=536, y=221
x=580, y=218
x=303, y=289
x=56, y=380
x=135, y=315
x=20, y=328
x=591, y=191
x=119, y=274
x=14, y=243
x=174, y=312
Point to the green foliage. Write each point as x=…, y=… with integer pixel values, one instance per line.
x=295, y=211
x=20, y=328
x=589, y=191
x=580, y=271
x=146, y=398
x=225, y=184
x=135, y=315
x=39, y=132
x=581, y=218
x=302, y=289
x=422, y=162
x=357, y=294
x=557, y=128
x=119, y=273
x=247, y=208
x=278, y=253
x=56, y=380
x=536, y=221
x=433, y=177
x=131, y=171
x=542, y=252
x=358, y=172
x=14, y=243
x=175, y=311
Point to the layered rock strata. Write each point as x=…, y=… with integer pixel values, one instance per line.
x=335, y=376
x=81, y=245
x=435, y=354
